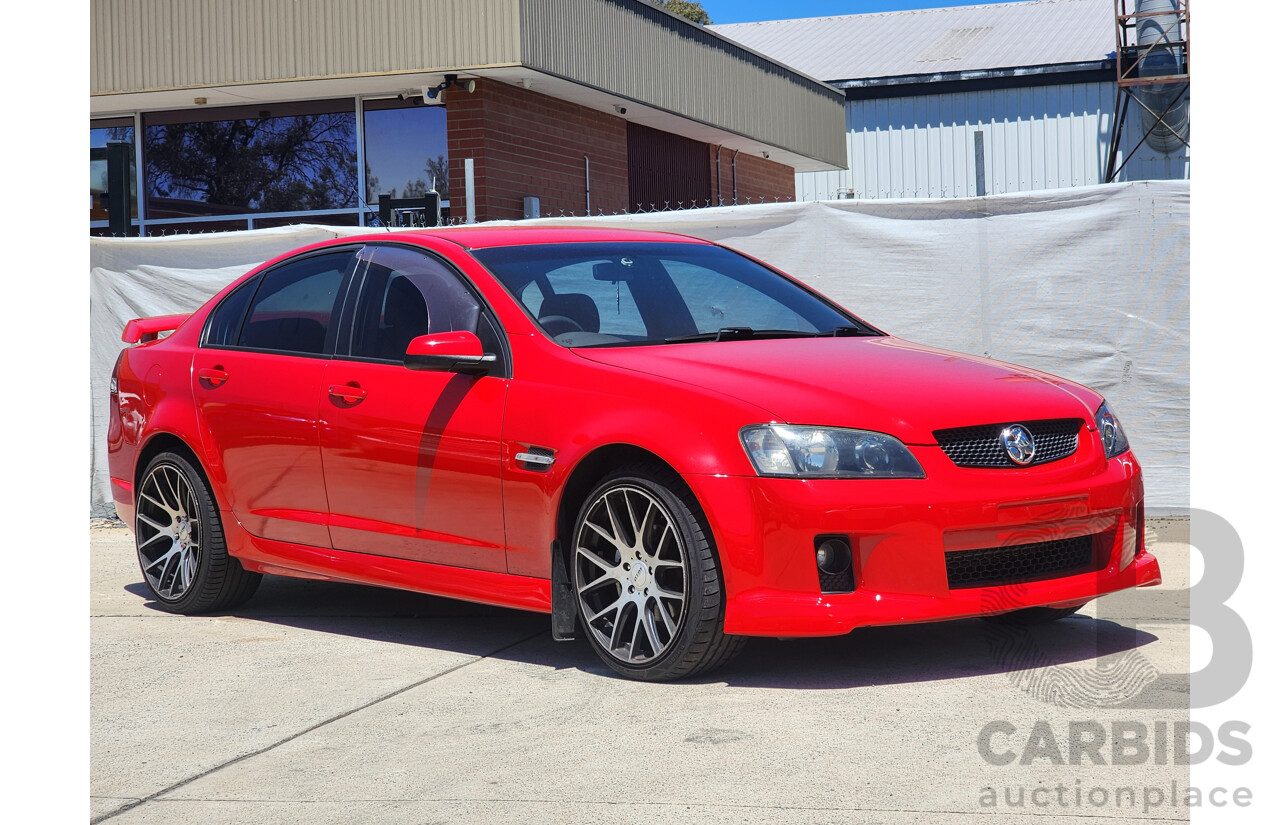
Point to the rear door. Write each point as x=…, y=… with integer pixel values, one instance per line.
x=412, y=460
x=256, y=378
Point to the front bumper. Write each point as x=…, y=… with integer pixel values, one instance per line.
x=900, y=532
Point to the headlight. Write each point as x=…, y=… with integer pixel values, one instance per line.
x=1114, y=441
x=827, y=452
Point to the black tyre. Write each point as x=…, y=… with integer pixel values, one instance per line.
x=650, y=595
x=181, y=547
x=1029, y=616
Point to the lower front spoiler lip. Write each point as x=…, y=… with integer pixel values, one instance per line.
x=766, y=612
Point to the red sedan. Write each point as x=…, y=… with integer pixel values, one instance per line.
x=665, y=444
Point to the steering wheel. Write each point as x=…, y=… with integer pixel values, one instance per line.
x=559, y=325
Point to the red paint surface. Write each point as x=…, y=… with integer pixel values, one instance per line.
x=412, y=482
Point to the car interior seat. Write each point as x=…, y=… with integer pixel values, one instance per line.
x=404, y=318
x=578, y=307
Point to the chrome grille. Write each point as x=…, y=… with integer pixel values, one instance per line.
x=980, y=446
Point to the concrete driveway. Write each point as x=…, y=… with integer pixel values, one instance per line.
x=326, y=703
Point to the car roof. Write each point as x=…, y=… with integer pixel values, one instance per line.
x=479, y=237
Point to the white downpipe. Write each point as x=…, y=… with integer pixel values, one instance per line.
x=734, y=168
x=469, y=182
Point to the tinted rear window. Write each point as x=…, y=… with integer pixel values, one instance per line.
x=293, y=309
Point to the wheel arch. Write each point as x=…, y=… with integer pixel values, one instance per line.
x=164, y=442
x=588, y=472
x=594, y=466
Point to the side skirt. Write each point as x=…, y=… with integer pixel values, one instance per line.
x=299, y=561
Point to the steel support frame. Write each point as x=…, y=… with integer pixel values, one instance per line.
x=1128, y=58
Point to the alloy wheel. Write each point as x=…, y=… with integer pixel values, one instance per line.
x=168, y=531
x=632, y=574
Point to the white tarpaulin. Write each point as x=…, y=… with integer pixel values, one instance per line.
x=1091, y=283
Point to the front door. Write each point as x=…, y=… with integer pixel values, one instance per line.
x=412, y=460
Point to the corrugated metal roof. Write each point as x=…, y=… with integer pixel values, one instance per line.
x=932, y=41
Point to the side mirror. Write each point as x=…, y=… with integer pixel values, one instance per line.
x=449, y=352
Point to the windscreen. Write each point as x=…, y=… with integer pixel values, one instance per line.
x=632, y=294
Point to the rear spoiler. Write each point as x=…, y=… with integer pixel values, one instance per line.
x=142, y=330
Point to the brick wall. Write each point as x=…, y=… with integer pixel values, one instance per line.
x=529, y=144
x=757, y=178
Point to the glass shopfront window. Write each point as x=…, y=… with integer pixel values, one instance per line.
x=406, y=150
x=102, y=132
x=248, y=167
x=236, y=161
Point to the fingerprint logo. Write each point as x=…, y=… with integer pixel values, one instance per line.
x=1101, y=681
x=1095, y=678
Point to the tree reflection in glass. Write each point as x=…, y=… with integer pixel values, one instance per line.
x=406, y=150
x=264, y=164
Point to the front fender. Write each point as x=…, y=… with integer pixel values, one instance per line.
x=695, y=432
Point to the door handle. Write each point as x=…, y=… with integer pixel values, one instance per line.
x=347, y=392
x=214, y=375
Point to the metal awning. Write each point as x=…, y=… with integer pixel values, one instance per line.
x=668, y=73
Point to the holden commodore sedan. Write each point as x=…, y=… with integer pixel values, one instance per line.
x=665, y=444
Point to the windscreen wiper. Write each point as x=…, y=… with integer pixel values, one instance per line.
x=722, y=334
x=848, y=331
x=740, y=334
x=744, y=333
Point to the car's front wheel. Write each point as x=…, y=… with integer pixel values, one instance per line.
x=648, y=584
x=181, y=548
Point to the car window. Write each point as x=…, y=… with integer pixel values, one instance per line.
x=293, y=308
x=405, y=294
x=224, y=322
x=716, y=300
x=577, y=295
x=655, y=292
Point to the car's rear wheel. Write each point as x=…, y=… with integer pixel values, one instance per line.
x=1033, y=615
x=181, y=547
x=648, y=584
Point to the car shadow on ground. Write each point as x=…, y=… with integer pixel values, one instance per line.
x=899, y=654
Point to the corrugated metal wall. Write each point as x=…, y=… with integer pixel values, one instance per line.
x=144, y=45
x=1042, y=137
x=693, y=73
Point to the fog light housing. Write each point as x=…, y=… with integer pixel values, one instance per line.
x=834, y=559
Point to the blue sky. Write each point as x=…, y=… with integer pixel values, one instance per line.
x=745, y=11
